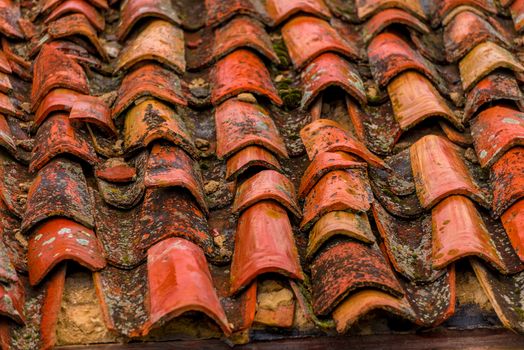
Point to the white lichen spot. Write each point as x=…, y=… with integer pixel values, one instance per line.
x=64, y=231
x=49, y=241
x=38, y=236
x=483, y=154
x=82, y=241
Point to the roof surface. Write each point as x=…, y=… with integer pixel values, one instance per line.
x=260, y=168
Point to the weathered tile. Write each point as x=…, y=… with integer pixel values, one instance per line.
x=388, y=17
x=218, y=11
x=366, y=8
x=9, y=19
x=512, y=219
x=15, y=178
x=517, y=13
x=507, y=179
x=77, y=6
x=57, y=100
x=116, y=170
x=281, y=10
x=134, y=11
x=250, y=157
x=93, y=110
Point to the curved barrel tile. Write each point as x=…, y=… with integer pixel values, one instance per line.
x=93, y=110
x=248, y=158
x=388, y=17
x=134, y=11
x=513, y=221
x=282, y=10
x=77, y=6
x=507, y=179
x=57, y=100
x=367, y=8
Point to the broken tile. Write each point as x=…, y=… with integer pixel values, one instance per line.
x=439, y=171
x=337, y=190
x=494, y=131
x=415, y=99
x=388, y=17
x=59, y=239
x=134, y=11
x=484, y=59
x=59, y=189
x=241, y=124
x=345, y=266
x=507, y=179
x=275, y=305
x=266, y=185
x=241, y=71
x=307, y=38
x=328, y=70
x=248, y=158
x=160, y=41
x=57, y=136
x=180, y=281
x=263, y=244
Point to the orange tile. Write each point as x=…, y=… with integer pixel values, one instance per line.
x=263, y=244
x=77, y=6
x=9, y=25
x=6, y=136
x=56, y=100
x=218, y=11
x=133, y=11
x=513, y=221
x=242, y=71
x=248, y=158
x=507, y=180
x=388, y=17
x=160, y=41
x=328, y=70
x=116, y=170
x=76, y=25
x=494, y=131
x=58, y=136
x=148, y=80
x=439, y=171
x=93, y=110
x=323, y=164
x=366, y=8
x=337, y=190
x=339, y=223
x=459, y=231
x=447, y=6
x=171, y=166
x=151, y=120
x=517, y=13
x=243, y=32
x=484, y=59
x=57, y=240
x=282, y=10
x=461, y=138
x=415, y=99
x=180, y=281
x=240, y=124
x=266, y=185
x=307, y=38
x=324, y=135
x=465, y=31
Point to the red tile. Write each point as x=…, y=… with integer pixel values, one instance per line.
x=9, y=17
x=330, y=70
x=76, y=25
x=389, y=55
x=52, y=70
x=345, y=266
x=57, y=136
x=242, y=71
x=513, y=221
x=263, y=244
x=171, y=166
x=148, y=80
x=219, y=11
x=494, y=131
x=415, y=99
x=57, y=100
x=78, y=6
x=465, y=31
x=180, y=281
x=51, y=4
x=51, y=306
x=7, y=107
x=57, y=240
x=307, y=38
x=5, y=67
x=248, y=158
x=116, y=170
x=447, y=6
x=170, y=212
x=499, y=85
x=336, y=224
x=240, y=124
x=242, y=32
x=507, y=179
x=459, y=231
x=93, y=110
x=281, y=10
x=12, y=302
x=337, y=190
x=323, y=164
x=366, y=8
x=388, y=17
x=363, y=302
x=462, y=138
x=134, y=11
x=439, y=171
x=483, y=60
x=266, y=185
x=324, y=135
x=59, y=189
x=152, y=120
x=517, y=13
x=6, y=136
x=159, y=41
x=5, y=83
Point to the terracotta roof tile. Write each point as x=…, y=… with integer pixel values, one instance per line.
x=221, y=11
x=366, y=8
x=77, y=6
x=517, y=11
x=507, y=177
x=249, y=157
x=447, y=6
x=390, y=17
x=512, y=221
